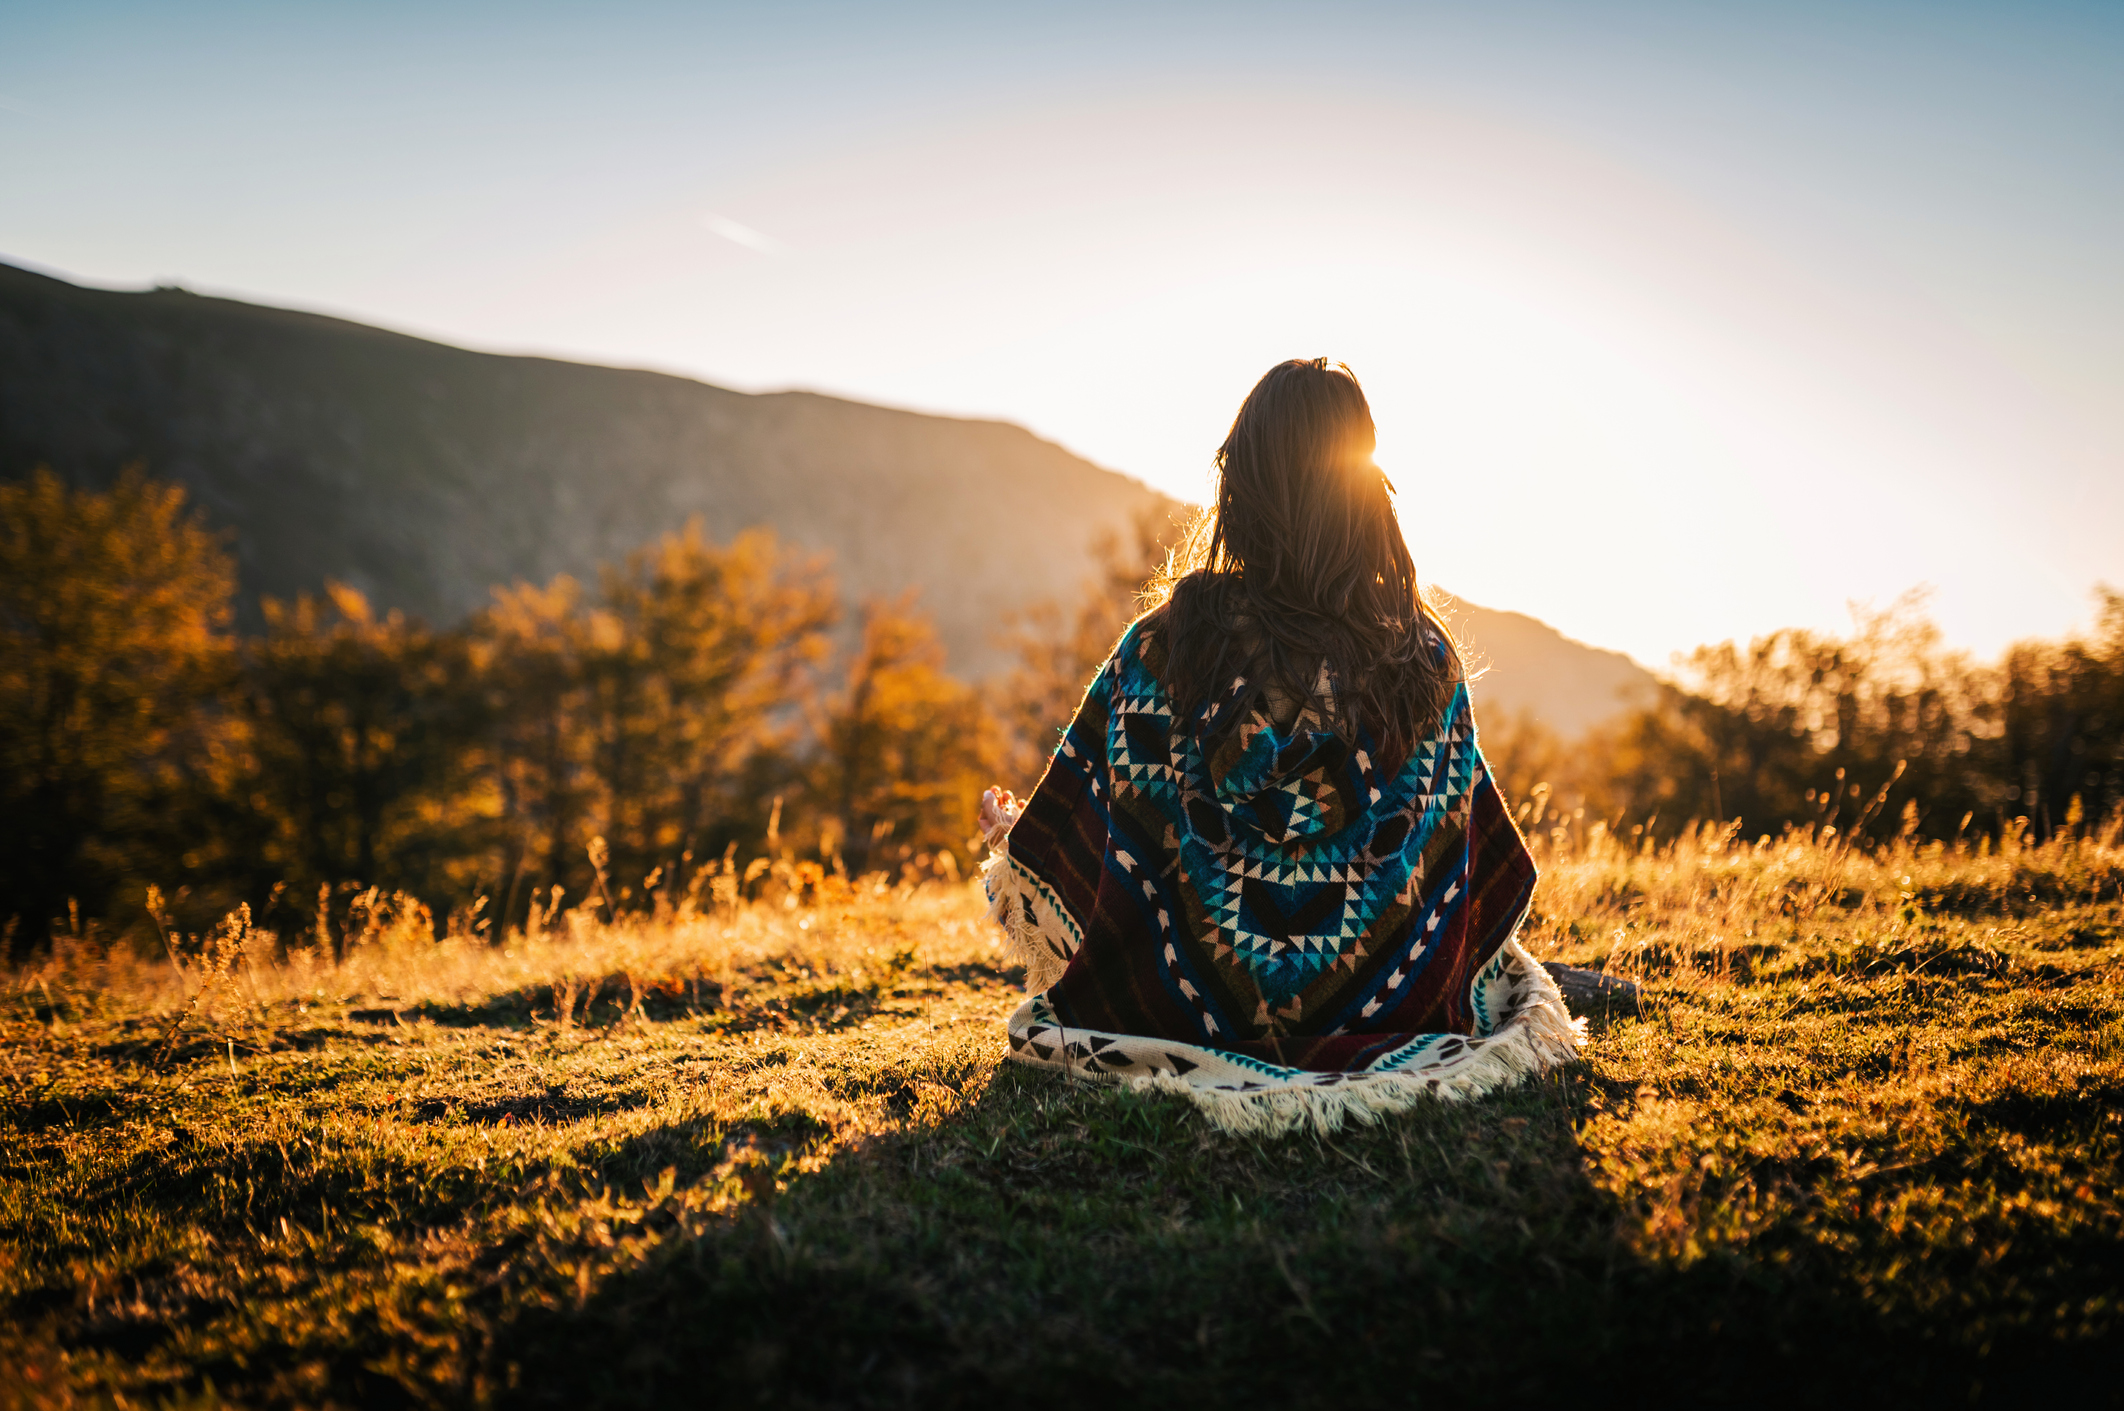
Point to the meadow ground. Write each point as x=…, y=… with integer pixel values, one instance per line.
x=1865, y=1138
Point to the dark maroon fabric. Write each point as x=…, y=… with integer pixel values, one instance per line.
x=1280, y=895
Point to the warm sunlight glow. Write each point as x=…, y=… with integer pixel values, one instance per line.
x=1679, y=345
x=1650, y=426
x=615, y=789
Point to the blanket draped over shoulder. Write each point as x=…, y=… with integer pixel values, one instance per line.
x=1281, y=929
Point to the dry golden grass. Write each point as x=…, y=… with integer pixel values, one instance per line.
x=1866, y=1137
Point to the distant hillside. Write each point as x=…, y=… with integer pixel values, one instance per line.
x=1522, y=664
x=424, y=474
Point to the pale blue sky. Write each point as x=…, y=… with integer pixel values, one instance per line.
x=1681, y=321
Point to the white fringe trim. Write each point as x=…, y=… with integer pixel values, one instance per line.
x=1036, y=931
x=1536, y=1036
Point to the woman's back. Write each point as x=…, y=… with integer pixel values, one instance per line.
x=1287, y=856
x=1267, y=864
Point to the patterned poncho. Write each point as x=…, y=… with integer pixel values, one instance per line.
x=1280, y=927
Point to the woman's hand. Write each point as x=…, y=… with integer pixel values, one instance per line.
x=998, y=811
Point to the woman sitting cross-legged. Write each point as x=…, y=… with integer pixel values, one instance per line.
x=1267, y=867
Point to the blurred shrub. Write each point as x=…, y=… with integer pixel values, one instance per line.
x=2060, y=723
x=658, y=717
x=360, y=752
x=114, y=661
x=903, y=749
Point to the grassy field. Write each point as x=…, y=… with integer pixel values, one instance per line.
x=1866, y=1137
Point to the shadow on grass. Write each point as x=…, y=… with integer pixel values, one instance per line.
x=597, y=1002
x=552, y=1108
x=1046, y=1237
x=193, y=1047
x=983, y=975
x=1024, y=1235
x=84, y=1112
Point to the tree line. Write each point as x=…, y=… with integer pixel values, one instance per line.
x=687, y=711
x=1880, y=731
x=703, y=711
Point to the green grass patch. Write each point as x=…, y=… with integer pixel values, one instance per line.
x=1865, y=1139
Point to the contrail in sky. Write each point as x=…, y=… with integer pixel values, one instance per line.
x=743, y=235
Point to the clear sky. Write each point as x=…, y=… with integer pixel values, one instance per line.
x=1680, y=321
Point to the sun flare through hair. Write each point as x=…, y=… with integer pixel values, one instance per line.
x=1300, y=561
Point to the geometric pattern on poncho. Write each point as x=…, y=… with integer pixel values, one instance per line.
x=1281, y=898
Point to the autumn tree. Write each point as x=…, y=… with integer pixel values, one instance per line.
x=690, y=661
x=904, y=750
x=2059, y=749
x=641, y=717
x=531, y=644
x=362, y=727
x=113, y=659
x=1884, y=729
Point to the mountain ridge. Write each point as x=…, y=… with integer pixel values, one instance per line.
x=425, y=474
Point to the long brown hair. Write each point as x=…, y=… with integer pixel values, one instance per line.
x=1302, y=561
